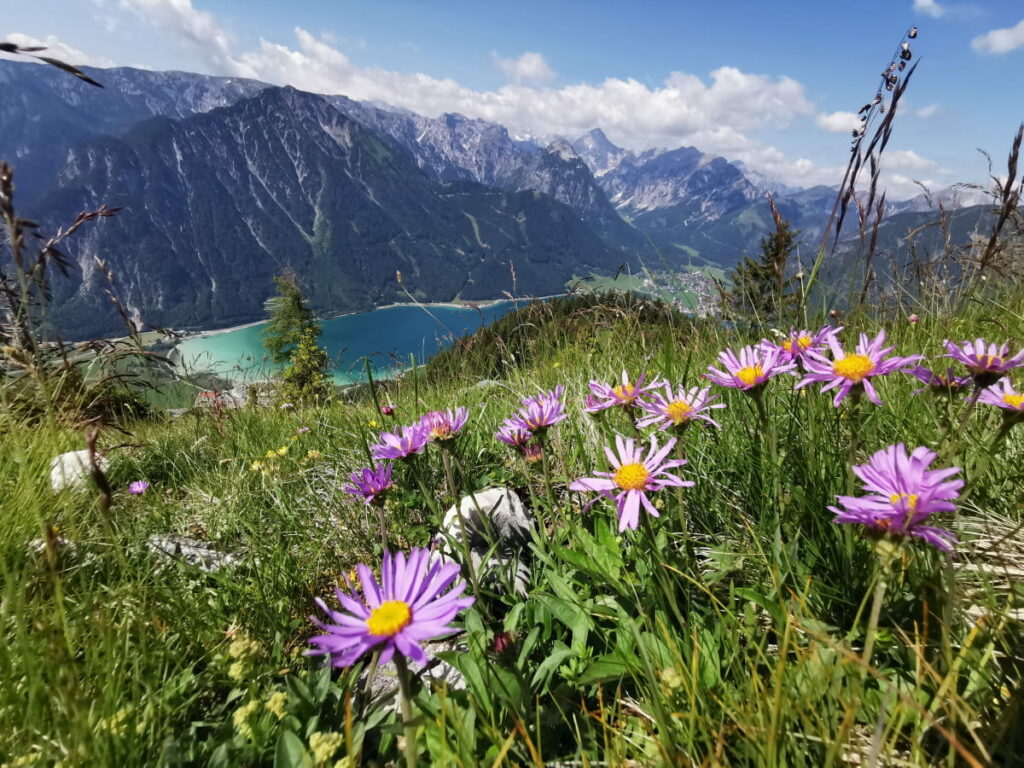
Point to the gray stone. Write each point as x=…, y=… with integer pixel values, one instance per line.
x=499, y=530
x=173, y=546
x=435, y=673
x=72, y=470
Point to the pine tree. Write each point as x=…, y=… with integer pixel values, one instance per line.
x=305, y=378
x=761, y=288
x=290, y=318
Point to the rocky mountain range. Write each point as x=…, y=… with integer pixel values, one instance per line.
x=224, y=182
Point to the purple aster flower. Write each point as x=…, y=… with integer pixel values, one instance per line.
x=444, y=425
x=541, y=411
x=633, y=477
x=677, y=410
x=370, y=483
x=510, y=433
x=750, y=369
x=626, y=394
x=848, y=372
x=138, y=487
x=794, y=346
x=986, y=363
x=902, y=494
x=938, y=383
x=401, y=444
x=1002, y=395
x=406, y=609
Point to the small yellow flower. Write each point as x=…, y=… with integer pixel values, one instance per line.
x=243, y=647
x=275, y=704
x=671, y=678
x=271, y=455
x=294, y=437
x=115, y=724
x=557, y=365
x=372, y=423
x=324, y=745
x=237, y=671
x=241, y=718
x=282, y=451
x=313, y=455
x=345, y=762
x=256, y=466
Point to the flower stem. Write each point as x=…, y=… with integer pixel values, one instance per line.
x=888, y=552
x=448, y=473
x=405, y=695
x=546, y=463
x=414, y=464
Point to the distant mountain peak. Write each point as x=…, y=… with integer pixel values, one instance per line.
x=563, y=149
x=598, y=152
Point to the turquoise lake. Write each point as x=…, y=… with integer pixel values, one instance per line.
x=387, y=336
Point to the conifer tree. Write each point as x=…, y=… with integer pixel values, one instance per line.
x=305, y=378
x=290, y=318
x=761, y=288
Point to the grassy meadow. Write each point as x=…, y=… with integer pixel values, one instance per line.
x=731, y=630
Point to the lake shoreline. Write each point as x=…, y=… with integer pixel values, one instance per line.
x=236, y=353
x=207, y=333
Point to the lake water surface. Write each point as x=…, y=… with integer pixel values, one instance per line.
x=388, y=336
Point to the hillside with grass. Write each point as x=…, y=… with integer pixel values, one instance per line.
x=737, y=623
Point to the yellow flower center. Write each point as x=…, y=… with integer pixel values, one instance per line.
x=750, y=374
x=389, y=618
x=624, y=391
x=440, y=433
x=631, y=477
x=804, y=342
x=911, y=498
x=853, y=367
x=1014, y=401
x=987, y=363
x=679, y=411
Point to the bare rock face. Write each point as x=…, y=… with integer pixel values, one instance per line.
x=498, y=528
x=70, y=471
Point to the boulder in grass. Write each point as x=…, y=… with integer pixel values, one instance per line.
x=72, y=470
x=172, y=546
x=498, y=527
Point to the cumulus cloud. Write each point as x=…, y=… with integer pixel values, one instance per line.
x=929, y=8
x=197, y=30
x=714, y=113
x=1000, y=40
x=56, y=49
x=530, y=67
x=838, y=122
x=907, y=159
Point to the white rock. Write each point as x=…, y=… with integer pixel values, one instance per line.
x=172, y=546
x=72, y=470
x=497, y=540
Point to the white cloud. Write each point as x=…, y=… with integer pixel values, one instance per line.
x=929, y=8
x=838, y=122
x=927, y=111
x=899, y=187
x=198, y=30
x=906, y=159
x=55, y=49
x=1000, y=40
x=713, y=113
x=530, y=67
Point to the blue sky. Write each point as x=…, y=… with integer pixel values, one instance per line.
x=763, y=82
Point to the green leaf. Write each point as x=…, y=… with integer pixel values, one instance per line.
x=573, y=616
x=611, y=666
x=291, y=752
x=559, y=653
